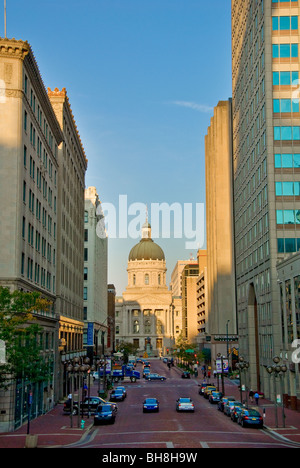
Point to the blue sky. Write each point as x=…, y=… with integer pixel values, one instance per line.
x=143, y=77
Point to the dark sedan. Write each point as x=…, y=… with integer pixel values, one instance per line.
x=186, y=375
x=117, y=395
x=223, y=402
x=155, y=377
x=215, y=397
x=105, y=413
x=250, y=417
x=151, y=405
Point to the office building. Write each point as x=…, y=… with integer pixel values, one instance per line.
x=266, y=148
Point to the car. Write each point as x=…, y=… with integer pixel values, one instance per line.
x=186, y=375
x=229, y=406
x=165, y=360
x=203, y=386
x=155, y=377
x=215, y=397
x=150, y=405
x=123, y=389
x=104, y=413
x=224, y=401
x=146, y=371
x=88, y=405
x=117, y=395
x=185, y=404
x=235, y=411
x=208, y=391
x=250, y=417
x=147, y=364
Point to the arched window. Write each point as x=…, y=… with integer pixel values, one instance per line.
x=146, y=279
x=134, y=280
x=159, y=279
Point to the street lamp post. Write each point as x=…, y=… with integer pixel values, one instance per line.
x=278, y=370
x=243, y=366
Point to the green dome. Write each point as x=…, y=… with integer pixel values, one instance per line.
x=146, y=249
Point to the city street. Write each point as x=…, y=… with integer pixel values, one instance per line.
x=167, y=429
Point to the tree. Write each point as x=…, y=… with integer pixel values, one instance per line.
x=20, y=334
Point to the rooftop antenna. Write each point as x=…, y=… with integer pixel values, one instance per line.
x=5, y=35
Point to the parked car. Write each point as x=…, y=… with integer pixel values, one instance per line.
x=186, y=375
x=117, y=395
x=250, y=417
x=147, y=364
x=105, y=413
x=229, y=406
x=185, y=404
x=208, y=391
x=203, y=387
x=236, y=411
x=215, y=397
x=150, y=405
x=223, y=402
x=154, y=377
x=146, y=371
x=89, y=404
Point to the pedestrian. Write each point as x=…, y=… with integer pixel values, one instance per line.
x=256, y=396
x=251, y=395
x=85, y=390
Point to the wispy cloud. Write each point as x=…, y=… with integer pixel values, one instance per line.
x=193, y=105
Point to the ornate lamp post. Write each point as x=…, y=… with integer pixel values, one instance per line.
x=73, y=369
x=278, y=370
x=243, y=366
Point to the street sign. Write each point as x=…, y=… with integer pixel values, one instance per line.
x=219, y=366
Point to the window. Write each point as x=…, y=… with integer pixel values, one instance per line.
x=286, y=133
x=85, y=294
x=85, y=274
x=136, y=326
x=285, y=105
x=146, y=279
x=285, y=50
x=86, y=217
x=287, y=161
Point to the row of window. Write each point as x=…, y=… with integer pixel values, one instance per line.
x=291, y=217
x=288, y=245
x=285, y=106
x=37, y=274
x=287, y=133
x=285, y=78
x=287, y=189
x=285, y=50
x=284, y=23
x=287, y=161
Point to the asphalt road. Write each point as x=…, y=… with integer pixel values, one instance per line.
x=205, y=428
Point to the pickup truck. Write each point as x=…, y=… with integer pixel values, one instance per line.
x=125, y=371
x=89, y=404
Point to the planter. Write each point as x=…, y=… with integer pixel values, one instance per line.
x=31, y=441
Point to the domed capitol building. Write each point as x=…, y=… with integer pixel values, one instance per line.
x=144, y=313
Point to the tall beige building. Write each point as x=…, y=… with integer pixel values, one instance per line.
x=72, y=167
x=220, y=280
x=29, y=139
x=266, y=147
x=95, y=292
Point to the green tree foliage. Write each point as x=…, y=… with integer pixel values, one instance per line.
x=21, y=336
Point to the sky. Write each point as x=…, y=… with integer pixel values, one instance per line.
x=143, y=78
